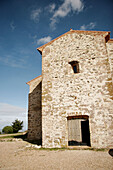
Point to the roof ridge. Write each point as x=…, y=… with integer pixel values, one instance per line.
x=40, y=49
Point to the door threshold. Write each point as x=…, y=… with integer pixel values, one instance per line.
x=79, y=147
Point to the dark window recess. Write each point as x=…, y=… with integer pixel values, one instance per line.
x=75, y=66
x=75, y=69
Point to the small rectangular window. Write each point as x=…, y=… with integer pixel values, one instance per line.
x=75, y=66
x=75, y=69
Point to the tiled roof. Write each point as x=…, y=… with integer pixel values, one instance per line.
x=105, y=33
x=33, y=79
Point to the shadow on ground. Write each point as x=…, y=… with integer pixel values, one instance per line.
x=24, y=137
x=21, y=136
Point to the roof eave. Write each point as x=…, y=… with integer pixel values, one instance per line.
x=33, y=79
x=40, y=49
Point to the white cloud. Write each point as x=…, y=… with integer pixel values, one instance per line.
x=35, y=14
x=8, y=114
x=51, y=8
x=12, y=25
x=65, y=9
x=44, y=40
x=91, y=25
x=83, y=27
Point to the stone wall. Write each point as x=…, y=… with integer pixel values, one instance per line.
x=109, y=45
x=35, y=110
x=88, y=92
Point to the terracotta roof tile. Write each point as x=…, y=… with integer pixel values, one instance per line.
x=33, y=79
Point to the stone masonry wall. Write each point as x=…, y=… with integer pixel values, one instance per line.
x=88, y=93
x=35, y=110
x=109, y=45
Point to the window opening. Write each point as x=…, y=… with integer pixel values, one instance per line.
x=75, y=66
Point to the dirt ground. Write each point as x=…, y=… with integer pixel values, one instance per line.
x=18, y=155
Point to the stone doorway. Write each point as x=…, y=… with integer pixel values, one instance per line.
x=78, y=130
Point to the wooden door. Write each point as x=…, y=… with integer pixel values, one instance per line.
x=74, y=130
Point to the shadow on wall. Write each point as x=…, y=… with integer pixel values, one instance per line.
x=76, y=143
x=35, y=115
x=111, y=152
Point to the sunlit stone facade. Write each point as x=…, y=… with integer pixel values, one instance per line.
x=76, y=81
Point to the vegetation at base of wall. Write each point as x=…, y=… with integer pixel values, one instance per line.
x=93, y=149
x=54, y=149
x=7, y=129
x=98, y=149
x=63, y=149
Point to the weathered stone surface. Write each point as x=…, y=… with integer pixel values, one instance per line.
x=35, y=110
x=65, y=93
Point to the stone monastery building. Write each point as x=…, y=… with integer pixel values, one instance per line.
x=71, y=103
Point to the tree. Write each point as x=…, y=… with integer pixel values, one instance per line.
x=7, y=129
x=17, y=125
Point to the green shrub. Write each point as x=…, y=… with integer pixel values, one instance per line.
x=7, y=129
x=17, y=125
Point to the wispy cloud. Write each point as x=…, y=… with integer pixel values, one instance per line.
x=12, y=61
x=12, y=26
x=51, y=7
x=44, y=40
x=8, y=113
x=35, y=14
x=66, y=7
x=10, y=110
x=17, y=58
x=91, y=25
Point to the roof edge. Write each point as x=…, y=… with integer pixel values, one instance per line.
x=110, y=41
x=40, y=49
x=33, y=79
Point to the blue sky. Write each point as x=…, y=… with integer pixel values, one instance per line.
x=27, y=24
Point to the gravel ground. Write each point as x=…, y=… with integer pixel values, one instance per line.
x=17, y=155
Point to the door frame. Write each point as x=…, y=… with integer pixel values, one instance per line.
x=86, y=118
